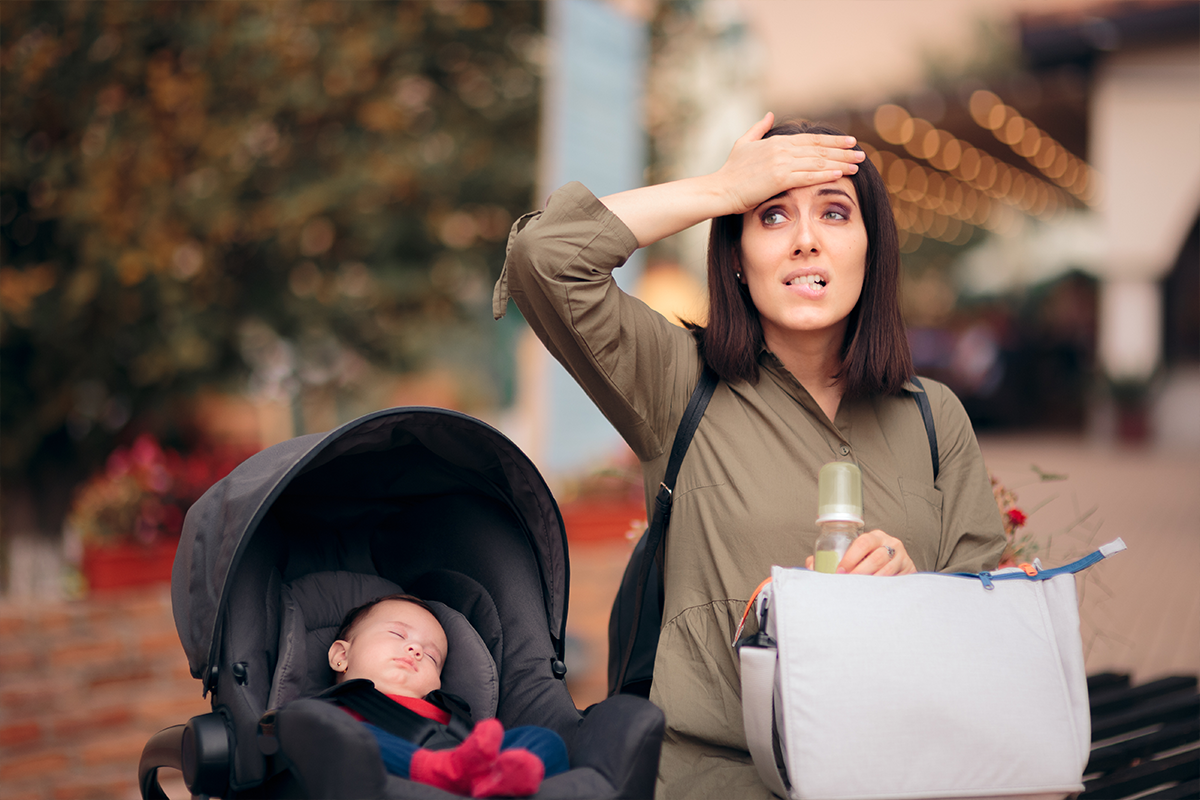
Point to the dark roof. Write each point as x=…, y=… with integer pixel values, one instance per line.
x=1081, y=35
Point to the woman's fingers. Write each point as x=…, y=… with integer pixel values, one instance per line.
x=825, y=156
x=760, y=168
x=876, y=553
x=859, y=551
x=758, y=129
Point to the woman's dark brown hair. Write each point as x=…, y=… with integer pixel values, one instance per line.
x=876, y=359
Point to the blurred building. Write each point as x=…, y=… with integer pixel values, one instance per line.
x=591, y=132
x=1043, y=160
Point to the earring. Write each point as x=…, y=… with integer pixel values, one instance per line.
x=739, y=275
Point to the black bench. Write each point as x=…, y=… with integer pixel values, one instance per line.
x=1145, y=739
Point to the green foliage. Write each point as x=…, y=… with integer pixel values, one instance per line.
x=203, y=192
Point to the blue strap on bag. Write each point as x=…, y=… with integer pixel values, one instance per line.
x=1036, y=573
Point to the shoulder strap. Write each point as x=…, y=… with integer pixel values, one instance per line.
x=687, y=426
x=662, y=503
x=927, y=417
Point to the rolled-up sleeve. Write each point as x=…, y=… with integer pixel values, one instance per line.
x=558, y=271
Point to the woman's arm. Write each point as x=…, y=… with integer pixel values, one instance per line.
x=633, y=364
x=756, y=170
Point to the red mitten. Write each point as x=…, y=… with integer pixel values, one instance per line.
x=459, y=769
x=516, y=773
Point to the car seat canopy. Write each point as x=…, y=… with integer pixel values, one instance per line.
x=356, y=481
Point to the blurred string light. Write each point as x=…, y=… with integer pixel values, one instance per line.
x=968, y=188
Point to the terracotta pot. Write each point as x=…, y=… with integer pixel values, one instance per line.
x=118, y=566
x=601, y=520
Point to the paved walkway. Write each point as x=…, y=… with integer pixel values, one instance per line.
x=84, y=684
x=1140, y=611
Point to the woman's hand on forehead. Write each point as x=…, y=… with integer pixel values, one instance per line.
x=758, y=169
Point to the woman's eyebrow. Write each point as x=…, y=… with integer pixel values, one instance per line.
x=832, y=190
x=770, y=200
x=829, y=190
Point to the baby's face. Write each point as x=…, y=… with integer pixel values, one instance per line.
x=398, y=646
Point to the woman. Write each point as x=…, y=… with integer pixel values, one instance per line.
x=805, y=331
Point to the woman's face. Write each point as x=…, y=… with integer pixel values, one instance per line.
x=804, y=255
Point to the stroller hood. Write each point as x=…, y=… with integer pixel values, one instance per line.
x=433, y=451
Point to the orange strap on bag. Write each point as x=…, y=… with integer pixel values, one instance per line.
x=745, y=614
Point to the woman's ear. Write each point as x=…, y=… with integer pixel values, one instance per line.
x=339, y=655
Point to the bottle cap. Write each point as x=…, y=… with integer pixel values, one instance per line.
x=839, y=493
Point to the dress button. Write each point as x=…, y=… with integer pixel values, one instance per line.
x=845, y=450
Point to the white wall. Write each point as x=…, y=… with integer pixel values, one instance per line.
x=1145, y=143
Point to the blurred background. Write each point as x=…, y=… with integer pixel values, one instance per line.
x=224, y=224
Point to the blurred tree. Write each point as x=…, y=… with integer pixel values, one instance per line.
x=200, y=192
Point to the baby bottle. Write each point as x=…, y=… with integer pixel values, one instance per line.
x=839, y=505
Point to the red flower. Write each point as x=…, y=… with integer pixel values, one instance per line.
x=1016, y=517
x=145, y=490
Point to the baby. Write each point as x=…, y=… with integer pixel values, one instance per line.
x=397, y=643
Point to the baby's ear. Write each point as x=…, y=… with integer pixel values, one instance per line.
x=337, y=655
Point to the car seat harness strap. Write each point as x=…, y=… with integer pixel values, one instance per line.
x=361, y=697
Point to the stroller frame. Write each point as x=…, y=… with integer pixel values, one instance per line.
x=427, y=499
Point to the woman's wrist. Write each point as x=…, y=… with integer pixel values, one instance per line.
x=655, y=212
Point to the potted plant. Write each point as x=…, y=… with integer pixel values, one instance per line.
x=128, y=516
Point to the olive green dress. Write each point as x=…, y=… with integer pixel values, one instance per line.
x=747, y=493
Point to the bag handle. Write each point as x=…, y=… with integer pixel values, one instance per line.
x=759, y=657
x=662, y=504
x=1031, y=572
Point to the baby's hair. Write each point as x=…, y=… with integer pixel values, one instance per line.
x=355, y=614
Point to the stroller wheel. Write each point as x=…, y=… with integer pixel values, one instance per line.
x=206, y=755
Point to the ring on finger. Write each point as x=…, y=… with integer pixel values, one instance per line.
x=891, y=551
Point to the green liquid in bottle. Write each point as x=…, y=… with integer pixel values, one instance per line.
x=827, y=561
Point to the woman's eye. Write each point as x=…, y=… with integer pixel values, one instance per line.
x=772, y=217
x=836, y=213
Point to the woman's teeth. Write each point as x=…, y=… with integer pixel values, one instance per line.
x=809, y=280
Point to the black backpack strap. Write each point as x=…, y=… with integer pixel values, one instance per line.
x=662, y=505
x=927, y=417
x=361, y=697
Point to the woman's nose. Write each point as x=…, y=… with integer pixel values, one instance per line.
x=806, y=239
